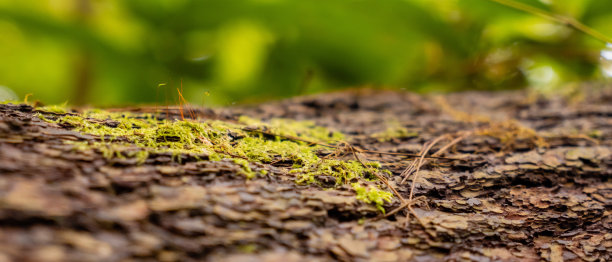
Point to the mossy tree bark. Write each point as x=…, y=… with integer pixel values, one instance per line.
x=527, y=178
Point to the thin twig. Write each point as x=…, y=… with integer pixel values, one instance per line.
x=418, y=166
x=409, y=169
x=452, y=143
x=399, y=208
x=405, y=154
x=414, y=180
x=570, y=21
x=415, y=216
x=422, y=155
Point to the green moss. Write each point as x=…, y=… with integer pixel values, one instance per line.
x=215, y=156
x=248, y=248
x=79, y=145
x=14, y=102
x=595, y=133
x=246, y=168
x=372, y=195
x=394, y=130
x=141, y=156
x=306, y=130
x=135, y=136
x=110, y=151
x=343, y=170
x=74, y=121
x=259, y=149
x=180, y=137
x=176, y=135
x=44, y=118
x=57, y=109
x=249, y=121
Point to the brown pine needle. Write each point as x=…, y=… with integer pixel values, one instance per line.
x=418, y=166
x=422, y=156
x=400, y=207
x=452, y=143
x=406, y=222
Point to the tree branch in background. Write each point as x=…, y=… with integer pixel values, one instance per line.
x=569, y=21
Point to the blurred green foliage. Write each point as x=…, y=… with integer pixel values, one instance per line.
x=113, y=52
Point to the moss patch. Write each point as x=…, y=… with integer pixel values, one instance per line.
x=343, y=170
x=306, y=130
x=372, y=194
x=135, y=136
x=58, y=109
x=394, y=130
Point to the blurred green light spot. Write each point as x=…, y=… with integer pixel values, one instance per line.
x=242, y=52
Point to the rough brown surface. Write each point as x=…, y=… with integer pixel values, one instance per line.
x=510, y=200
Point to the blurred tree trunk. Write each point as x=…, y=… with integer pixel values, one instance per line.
x=83, y=64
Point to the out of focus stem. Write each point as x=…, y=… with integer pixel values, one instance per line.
x=569, y=21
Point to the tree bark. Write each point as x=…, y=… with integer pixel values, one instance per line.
x=529, y=180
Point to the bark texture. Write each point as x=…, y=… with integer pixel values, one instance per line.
x=530, y=180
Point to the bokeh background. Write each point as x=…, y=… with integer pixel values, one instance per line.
x=118, y=52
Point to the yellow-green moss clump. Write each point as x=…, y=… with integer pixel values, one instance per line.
x=135, y=136
x=372, y=194
x=58, y=109
x=343, y=170
x=246, y=168
x=306, y=130
x=394, y=130
x=259, y=149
